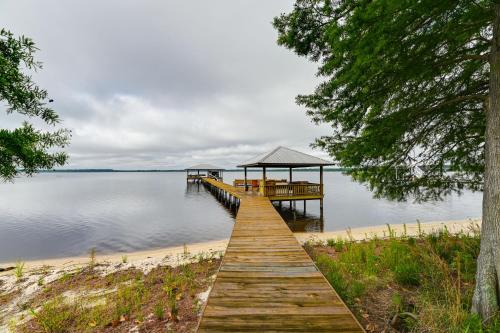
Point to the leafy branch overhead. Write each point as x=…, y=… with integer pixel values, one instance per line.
x=406, y=86
x=26, y=148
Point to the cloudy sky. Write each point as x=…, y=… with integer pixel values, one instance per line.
x=166, y=84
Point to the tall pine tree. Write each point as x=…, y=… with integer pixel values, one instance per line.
x=411, y=89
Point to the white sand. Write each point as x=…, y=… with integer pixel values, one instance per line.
x=382, y=231
x=138, y=259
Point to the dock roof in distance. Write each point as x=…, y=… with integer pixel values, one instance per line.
x=204, y=166
x=284, y=157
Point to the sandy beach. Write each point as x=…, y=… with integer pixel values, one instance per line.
x=171, y=255
x=382, y=231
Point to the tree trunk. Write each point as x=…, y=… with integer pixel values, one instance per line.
x=486, y=300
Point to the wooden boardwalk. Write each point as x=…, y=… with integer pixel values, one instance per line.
x=267, y=282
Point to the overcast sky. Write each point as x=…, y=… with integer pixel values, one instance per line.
x=166, y=84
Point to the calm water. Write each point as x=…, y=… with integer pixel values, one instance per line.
x=66, y=214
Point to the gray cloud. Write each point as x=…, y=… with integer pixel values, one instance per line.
x=165, y=84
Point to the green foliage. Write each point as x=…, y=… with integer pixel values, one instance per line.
x=159, y=311
x=399, y=257
x=430, y=278
x=41, y=281
x=54, y=316
x=25, y=147
x=19, y=269
x=405, y=86
x=128, y=299
x=338, y=244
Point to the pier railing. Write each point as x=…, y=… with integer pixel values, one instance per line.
x=291, y=190
x=255, y=182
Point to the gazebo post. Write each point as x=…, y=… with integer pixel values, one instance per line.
x=264, y=180
x=290, y=181
x=321, y=189
x=246, y=185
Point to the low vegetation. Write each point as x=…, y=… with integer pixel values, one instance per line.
x=19, y=269
x=164, y=299
x=406, y=284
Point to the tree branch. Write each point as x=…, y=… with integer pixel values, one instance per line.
x=485, y=56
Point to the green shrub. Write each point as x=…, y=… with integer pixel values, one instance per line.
x=337, y=244
x=407, y=272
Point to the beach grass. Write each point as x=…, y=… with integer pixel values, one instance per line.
x=128, y=299
x=19, y=269
x=420, y=283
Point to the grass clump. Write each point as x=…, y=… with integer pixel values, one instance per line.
x=410, y=284
x=19, y=269
x=338, y=244
x=176, y=286
x=127, y=300
x=54, y=316
x=92, y=258
x=159, y=311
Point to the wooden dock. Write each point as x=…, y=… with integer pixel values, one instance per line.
x=267, y=282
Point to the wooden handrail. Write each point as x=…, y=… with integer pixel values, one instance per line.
x=288, y=190
x=250, y=181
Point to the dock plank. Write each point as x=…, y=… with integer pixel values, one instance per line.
x=267, y=282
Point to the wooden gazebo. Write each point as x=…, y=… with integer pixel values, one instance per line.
x=196, y=172
x=285, y=190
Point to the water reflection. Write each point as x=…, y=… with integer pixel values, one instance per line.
x=194, y=189
x=299, y=220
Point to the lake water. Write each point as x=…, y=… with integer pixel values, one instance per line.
x=66, y=214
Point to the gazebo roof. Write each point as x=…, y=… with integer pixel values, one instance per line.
x=204, y=166
x=284, y=157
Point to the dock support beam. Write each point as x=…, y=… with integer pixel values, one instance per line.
x=290, y=181
x=264, y=180
x=321, y=189
x=246, y=185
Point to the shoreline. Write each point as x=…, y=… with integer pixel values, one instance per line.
x=171, y=255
